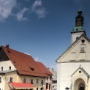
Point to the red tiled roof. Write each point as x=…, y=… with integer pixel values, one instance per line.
x=23, y=63
x=17, y=85
x=43, y=68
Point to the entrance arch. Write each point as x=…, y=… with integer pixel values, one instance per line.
x=79, y=84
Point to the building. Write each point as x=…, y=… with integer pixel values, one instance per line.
x=19, y=71
x=74, y=64
x=48, y=80
x=54, y=79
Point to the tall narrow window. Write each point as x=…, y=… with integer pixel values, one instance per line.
x=47, y=78
x=37, y=81
x=31, y=81
x=42, y=82
x=11, y=79
x=24, y=80
x=49, y=86
x=46, y=85
x=9, y=67
x=1, y=68
x=50, y=77
x=37, y=89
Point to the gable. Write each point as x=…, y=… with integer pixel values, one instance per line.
x=78, y=51
x=3, y=56
x=80, y=71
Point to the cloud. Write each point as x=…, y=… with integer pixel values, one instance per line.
x=38, y=9
x=27, y=54
x=20, y=14
x=37, y=59
x=41, y=12
x=6, y=7
x=36, y=4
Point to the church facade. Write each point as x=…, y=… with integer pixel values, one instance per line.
x=73, y=66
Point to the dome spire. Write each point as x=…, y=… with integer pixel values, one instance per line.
x=79, y=19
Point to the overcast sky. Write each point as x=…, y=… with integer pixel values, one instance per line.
x=41, y=28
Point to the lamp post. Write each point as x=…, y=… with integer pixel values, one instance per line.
x=67, y=88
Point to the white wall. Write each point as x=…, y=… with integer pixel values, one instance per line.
x=6, y=64
x=65, y=70
x=75, y=35
x=2, y=83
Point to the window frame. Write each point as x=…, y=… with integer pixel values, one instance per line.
x=32, y=81
x=11, y=79
x=1, y=68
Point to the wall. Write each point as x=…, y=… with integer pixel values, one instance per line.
x=2, y=82
x=75, y=35
x=7, y=79
x=28, y=79
x=6, y=64
x=65, y=70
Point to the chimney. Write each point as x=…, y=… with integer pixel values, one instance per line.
x=7, y=48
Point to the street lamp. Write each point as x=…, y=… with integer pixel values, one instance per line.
x=67, y=88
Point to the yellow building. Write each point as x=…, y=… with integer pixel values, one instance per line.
x=20, y=71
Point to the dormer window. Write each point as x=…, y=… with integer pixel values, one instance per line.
x=31, y=68
x=9, y=67
x=1, y=68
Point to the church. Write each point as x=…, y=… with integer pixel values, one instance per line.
x=73, y=66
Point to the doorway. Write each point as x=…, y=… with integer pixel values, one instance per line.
x=81, y=88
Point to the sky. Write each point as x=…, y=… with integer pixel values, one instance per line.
x=41, y=28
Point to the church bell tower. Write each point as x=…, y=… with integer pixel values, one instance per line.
x=78, y=30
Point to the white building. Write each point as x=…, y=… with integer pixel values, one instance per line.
x=74, y=64
x=54, y=79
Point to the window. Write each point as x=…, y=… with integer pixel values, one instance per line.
x=37, y=81
x=82, y=40
x=76, y=38
x=42, y=82
x=31, y=81
x=24, y=80
x=32, y=68
x=37, y=89
x=50, y=77
x=9, y=67
x=79, y=71
x=82, y=50
x=47, y=78
x=46, y=85
x=1, y=68
x=11, y=79
x=49, y=86
x=78, y=23
x=0, y=79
